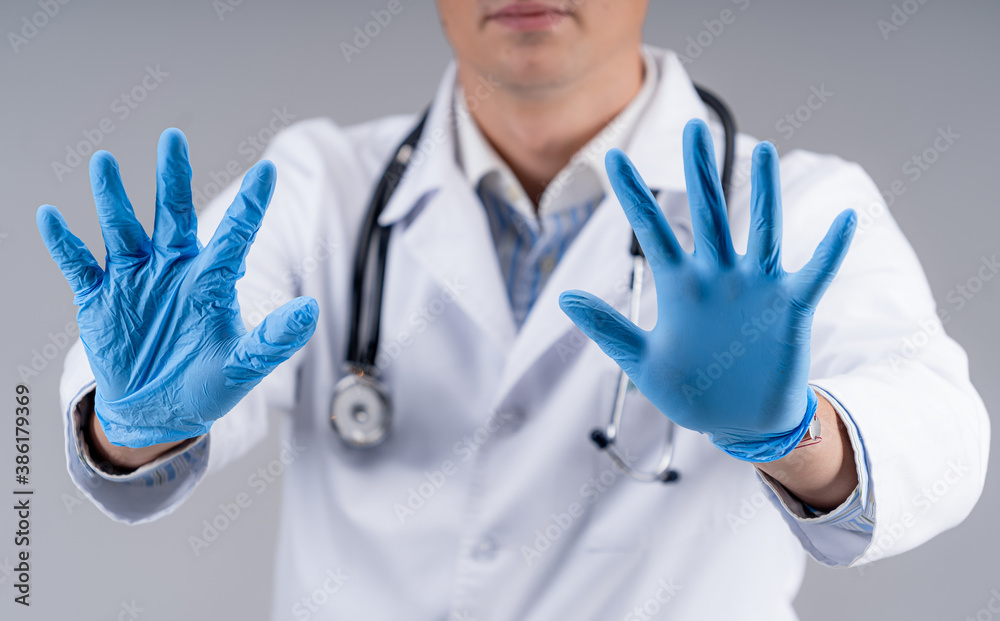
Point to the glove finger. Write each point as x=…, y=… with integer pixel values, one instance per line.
x=176, y=227
x=643, y=212
x=227, y=250
x=124, y=237
x=764, y=244
x=282, y=333
x=77, y=264
x=618, y=337
x=709, y=220
x=813, y=279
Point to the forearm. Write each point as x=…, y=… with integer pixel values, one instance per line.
x=824, y=474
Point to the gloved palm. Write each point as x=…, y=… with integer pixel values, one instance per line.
x=160, y=323
x=729, y=355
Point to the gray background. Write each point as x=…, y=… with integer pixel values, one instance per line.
x=226, y=75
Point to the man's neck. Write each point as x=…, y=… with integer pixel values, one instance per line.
x=538, y=133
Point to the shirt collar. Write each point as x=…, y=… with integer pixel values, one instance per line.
x=583, y=179
x=654, y=147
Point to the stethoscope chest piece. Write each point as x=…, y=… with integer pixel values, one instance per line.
x=361, y=412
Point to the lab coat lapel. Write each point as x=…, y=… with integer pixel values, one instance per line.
x=598, y=261
x=656, y=147
x=450, y=238
x=438, y=217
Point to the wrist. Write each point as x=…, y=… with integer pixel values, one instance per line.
x=823, y=474
x=122, y=458
x=772, y=447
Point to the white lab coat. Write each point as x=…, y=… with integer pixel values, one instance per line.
x=490, y=447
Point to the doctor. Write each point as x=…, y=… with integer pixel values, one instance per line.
x=510, y=242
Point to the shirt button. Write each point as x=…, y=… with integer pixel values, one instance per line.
x=485, y=550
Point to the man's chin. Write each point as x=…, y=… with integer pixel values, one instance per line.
x=537, y=67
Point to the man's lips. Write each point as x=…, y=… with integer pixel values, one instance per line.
x=528, y=16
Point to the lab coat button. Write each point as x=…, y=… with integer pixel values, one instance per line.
x=485, y=550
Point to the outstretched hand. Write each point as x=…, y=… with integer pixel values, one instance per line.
x=160, y=323
x=729, y=355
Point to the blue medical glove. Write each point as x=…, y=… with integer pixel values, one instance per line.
x=729, y=355
x=160, y=323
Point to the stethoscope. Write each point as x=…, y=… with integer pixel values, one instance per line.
x=361, y=410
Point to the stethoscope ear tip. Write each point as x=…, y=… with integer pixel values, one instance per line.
x=671, y=476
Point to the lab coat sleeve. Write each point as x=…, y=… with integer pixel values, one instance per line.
x=275, y=259
x=848, y=528
x=140, y=496
x=880, y=352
